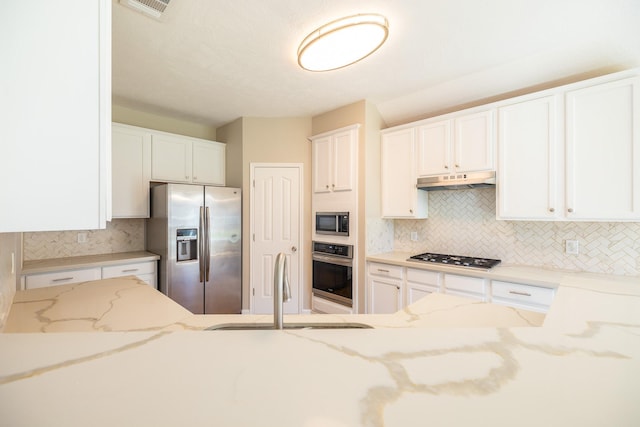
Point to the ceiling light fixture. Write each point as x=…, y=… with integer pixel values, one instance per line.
x=343, y=42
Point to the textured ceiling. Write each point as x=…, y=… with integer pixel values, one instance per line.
x=212, y=61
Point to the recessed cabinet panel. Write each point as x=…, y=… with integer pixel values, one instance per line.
x=434, y=148
x=528, y=164
x=474, y=142
x=400, y=197
x=171, y=159
x=131, y=171
x=208, y=162
x=603, y=151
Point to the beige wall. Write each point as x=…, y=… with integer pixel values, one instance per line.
x=130, y=116
x=231, y=134
x=269, y=140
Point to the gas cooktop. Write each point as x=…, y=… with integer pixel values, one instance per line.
x=456, y=260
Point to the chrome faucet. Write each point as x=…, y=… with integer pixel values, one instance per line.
x=281, y=289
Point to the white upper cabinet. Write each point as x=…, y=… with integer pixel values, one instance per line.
x=571, y=155
x=209, y=162
x=460, y=144
x=400, y=197
x=177, y=158
x=334, y=160
x=529, y=168
x=603, y=151
x=56, y=115
x=131, y=171
x=171, y=158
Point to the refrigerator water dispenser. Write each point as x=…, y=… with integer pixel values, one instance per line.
x=187, y=244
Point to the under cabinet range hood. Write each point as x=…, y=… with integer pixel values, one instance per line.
x=458, y=181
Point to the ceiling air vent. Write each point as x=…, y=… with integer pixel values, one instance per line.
x=153, y=8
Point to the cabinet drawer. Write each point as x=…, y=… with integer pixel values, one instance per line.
x=424, y=277
x=385, y=270
x=136, y=269
x=464, y=284
x=61, y=278
x=519, y=295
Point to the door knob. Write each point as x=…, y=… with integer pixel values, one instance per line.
x=294, y=249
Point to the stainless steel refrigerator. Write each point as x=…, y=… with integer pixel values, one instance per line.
x=196, y=230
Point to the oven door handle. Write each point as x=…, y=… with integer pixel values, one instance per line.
x=332, y=260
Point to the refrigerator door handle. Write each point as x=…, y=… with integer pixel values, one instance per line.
x=207, y=248
x=201, y=259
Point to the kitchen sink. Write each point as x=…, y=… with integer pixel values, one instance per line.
x=270, y=326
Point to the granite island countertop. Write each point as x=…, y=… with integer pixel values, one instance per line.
x=426, y=365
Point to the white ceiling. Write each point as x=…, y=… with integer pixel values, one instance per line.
x=212, y=61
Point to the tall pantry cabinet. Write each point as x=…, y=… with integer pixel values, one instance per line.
x=56, y=115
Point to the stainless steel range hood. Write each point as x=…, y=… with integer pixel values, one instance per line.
x=459, y=181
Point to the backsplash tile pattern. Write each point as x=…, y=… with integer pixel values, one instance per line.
x=463, y=222
x=121, y=235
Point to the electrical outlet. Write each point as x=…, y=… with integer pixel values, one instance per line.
x=571, y=247
x=82, y=237
x=414, y=236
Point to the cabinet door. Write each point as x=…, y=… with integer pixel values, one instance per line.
x=208, y=162
x=344, y=152
x=56, y=115
x=603, y=151
x=170, y=158
x=400, y=198
x=474, y=142
x=528, y=167
x=385, y=296
x=322, y=155
x=131, y=171
x=434, y=148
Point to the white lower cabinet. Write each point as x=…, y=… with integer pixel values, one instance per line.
x=535, y=298
x=145, y=271
x=465, y=286
x=61, y=278
x=421, y=283
x=384, y=288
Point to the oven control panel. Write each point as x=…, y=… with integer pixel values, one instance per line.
x=345, y=251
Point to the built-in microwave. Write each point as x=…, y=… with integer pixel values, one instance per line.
x=333, y=223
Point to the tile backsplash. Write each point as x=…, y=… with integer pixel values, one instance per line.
x=463, y=222
x=121, y=235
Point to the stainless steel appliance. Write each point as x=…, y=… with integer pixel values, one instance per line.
x=456, y=260
x=332, y=223
x=458, y=181
x=196, y=230
x=333, y=272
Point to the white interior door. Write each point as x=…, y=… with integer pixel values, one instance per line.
x=276, y=227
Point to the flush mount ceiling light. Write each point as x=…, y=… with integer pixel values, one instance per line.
x=343, y=42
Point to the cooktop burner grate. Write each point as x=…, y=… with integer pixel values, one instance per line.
x=456, y=260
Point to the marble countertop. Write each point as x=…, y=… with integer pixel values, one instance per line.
x=85, y=261
x=444, y=361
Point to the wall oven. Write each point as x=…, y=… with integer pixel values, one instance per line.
x=332, y=223
x=333, y=272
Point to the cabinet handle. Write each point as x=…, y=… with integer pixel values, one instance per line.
x=552, y=210
x=62, y=279
x=410, y=210
x=524, y=294
x=446, y=167
x=398, y=287
x=570, y=210
x=131, y=270
x=333, y=186
x=383, y=271
x=327, y=185
x=457, y=166
x=195, y=177
x=186, y=177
